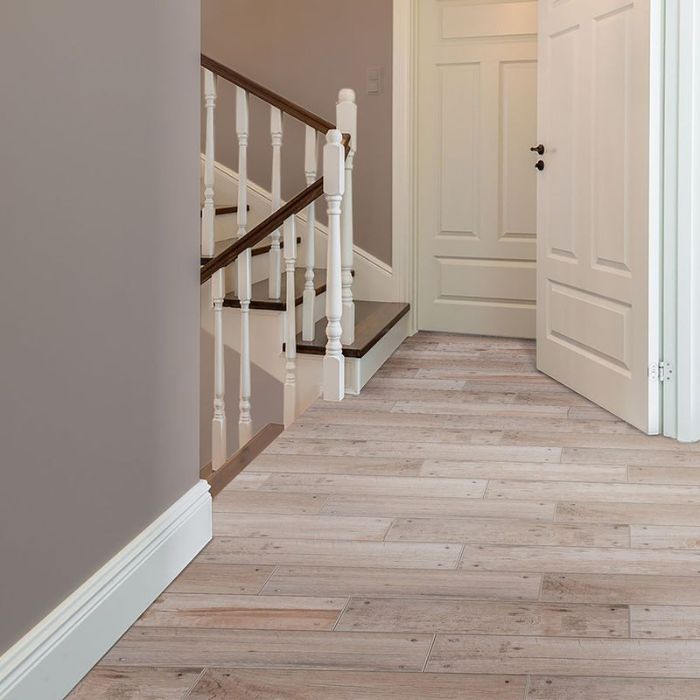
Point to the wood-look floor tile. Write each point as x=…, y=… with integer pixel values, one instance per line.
x=475, y=409
x=621, y=589
x=601, y=560
x=597, y=440
x=503, y=531
x=153, y=646
x=419, y=506
x=592, y=492
x=664, y=475
x=438, y=615
x=665, y=536
x=200, y=577
x=123, y=683
x=525, y=471
x=644, y=658
x=375, y=485
x=313, y=464
x=630, y=513
x=665, y=622
x=271, y=684
x=596, y=688
x=232, y=501
x=394, y=555
x=642, y=458
x=301, y=526
x=243, y=612
x=344, y=581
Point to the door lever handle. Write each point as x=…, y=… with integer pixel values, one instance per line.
x=538, y=149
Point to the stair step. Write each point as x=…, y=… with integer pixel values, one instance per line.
x=261, y=300
x=373, y=320
x=260, y=249
x=226, y=209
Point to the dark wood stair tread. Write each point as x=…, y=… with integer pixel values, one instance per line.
x=260, y=249
x=373, y=320
x=261, y=300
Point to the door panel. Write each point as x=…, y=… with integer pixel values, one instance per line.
x=477, y=186
x=593, y=232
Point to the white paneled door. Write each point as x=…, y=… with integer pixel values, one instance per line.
x=477, y=201
x=593, y=280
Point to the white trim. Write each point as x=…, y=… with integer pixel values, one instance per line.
x=403, y=238
x=683, y=291
x=53, y=656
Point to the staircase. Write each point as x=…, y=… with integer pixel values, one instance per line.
x=300, y=322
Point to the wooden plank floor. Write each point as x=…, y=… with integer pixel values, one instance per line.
x=466, y=529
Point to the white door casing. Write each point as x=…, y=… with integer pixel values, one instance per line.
x=476, y=218
x=593, y=265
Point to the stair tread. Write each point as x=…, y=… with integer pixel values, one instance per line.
x=373, y=320
x=260, y=249
x=261, y=300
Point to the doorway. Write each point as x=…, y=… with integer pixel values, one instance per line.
x=535, y=197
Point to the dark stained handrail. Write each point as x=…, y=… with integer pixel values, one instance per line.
x=282, y=103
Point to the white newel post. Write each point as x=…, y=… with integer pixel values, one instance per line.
x=346, y=117
x=290, y=345
x=275, y=282
x=245, y=426
x=308, y=330
x=333, y=187
x=208, y=210
x=218, y=433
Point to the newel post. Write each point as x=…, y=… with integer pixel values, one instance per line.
x=245, y=431
x=333, y=187
x=346, y=118
x=208, y=210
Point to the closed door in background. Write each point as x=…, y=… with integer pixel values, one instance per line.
x=477, y=119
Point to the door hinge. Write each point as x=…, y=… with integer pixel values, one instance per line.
x=660, y=372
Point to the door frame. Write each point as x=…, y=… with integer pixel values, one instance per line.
x=674, y=145
x=681, y=218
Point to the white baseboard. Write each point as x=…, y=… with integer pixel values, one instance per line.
x=52, y=657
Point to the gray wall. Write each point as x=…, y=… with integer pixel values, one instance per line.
x=306, y=50
x=99, y=292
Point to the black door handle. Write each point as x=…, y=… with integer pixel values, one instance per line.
x=538, y=149
x=540, y=165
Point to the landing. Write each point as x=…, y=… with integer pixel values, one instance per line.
x=466, y=529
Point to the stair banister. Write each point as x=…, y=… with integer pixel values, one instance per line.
x=219, y=453
x=208, y=210
x=333, y=187
x=290, y=345
x=245, y=425
x=308, y=330
x=346, y=116
x=275, y=280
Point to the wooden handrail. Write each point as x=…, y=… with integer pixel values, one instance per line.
x=268, y=96
x=293, y=207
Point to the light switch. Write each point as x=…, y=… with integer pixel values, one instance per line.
x=374, y=81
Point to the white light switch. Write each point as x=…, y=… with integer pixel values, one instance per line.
x=374, y=81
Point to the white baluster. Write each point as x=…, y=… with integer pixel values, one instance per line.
x=245, y=425
x=275, y=282
x=218, y=433
x=346, y=117
x=333, y=187
x=308, y=330
x=290, y=259
x=208, y=210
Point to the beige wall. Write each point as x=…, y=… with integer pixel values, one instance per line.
x=99, y=291
x=306, y=50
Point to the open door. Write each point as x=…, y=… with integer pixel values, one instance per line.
x=593, y=262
